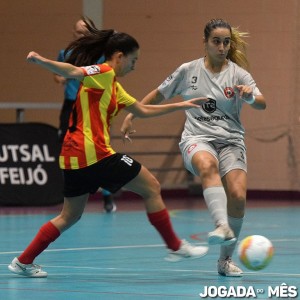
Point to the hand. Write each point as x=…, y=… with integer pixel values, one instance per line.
x=33, y=57
x=126, y=129
x=59, y=79
x=195, y=102
x=245, y=92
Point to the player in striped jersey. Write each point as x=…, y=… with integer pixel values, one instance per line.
x=81, y=28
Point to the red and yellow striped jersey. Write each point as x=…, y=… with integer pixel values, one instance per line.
x=99, y=99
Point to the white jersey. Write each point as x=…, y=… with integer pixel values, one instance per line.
x=218, y=120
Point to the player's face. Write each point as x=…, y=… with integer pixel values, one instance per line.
x=218, y=44
x=127, y=63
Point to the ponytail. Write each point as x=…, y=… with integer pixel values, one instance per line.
x=88, y=49
x=237, y=51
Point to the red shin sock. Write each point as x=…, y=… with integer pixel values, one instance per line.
x=161, y=221
x=47, y=234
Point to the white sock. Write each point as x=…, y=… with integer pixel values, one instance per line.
x=236, y=226
x=216, y=201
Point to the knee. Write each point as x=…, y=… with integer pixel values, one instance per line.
x=208, y=168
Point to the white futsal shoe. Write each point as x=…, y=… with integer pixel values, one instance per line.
x=30, y=270
x=186, y=251
x=222, y=235
x=226, y=267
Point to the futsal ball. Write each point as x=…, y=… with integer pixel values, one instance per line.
x=255, y=252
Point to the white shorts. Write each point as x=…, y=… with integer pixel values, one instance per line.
x=229, y=157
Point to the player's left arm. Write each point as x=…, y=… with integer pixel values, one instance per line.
x=259, y=102
x=246, y=94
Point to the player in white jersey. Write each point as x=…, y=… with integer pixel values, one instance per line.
x=212, y=143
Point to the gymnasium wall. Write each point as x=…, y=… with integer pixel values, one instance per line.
x=170, y=32
x=45, y=27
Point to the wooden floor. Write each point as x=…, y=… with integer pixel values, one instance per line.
x=120, y=256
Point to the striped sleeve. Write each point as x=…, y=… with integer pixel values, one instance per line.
x=123, y=97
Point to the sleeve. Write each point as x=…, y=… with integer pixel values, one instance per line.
x=172, y=86
x=91, y=70
x=247, y=79
x=123, y=97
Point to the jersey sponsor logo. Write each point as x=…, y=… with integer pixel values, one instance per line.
x=169, y=78
x=91, y=70
x=242, y=157
x=229, y=92
x=210, y=106
x=191, y=148
x=127, y=160
x=212, y=118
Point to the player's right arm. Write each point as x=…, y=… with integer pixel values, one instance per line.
x=154, y=97
x=63, y=69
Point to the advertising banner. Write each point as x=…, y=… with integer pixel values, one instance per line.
x=29, y=170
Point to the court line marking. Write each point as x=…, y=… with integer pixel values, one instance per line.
x=128, y=247
x=138, y=271
x=94, y=248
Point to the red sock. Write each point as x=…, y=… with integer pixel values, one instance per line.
x=161, y=221
x=47, y=234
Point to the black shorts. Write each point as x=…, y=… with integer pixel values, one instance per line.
x=110, y=173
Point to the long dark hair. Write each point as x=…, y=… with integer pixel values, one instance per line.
x=97, y=43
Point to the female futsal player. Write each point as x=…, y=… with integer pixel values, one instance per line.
x=212, y=142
